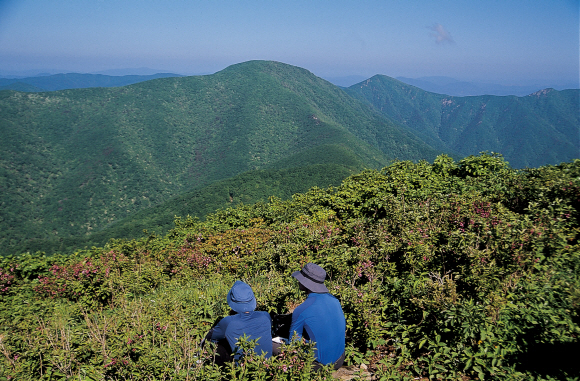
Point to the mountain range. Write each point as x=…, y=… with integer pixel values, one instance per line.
x=80, y=166
x=123, y=77
x=74, y=81
x=452, y=86
x=538, y=129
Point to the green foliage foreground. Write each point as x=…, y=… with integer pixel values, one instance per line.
x=451, y=270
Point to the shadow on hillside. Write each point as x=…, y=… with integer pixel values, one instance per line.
x=559, y=360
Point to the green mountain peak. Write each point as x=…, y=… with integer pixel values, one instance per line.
x=91, y=157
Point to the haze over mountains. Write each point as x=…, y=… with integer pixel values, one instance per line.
x=452, y=86
x=455, y=87
x=123, y=77
x=77, y=162
x=74, y=81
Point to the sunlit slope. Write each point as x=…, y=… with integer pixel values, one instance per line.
x=75, y=161
x=538, y=129
x=246, y=188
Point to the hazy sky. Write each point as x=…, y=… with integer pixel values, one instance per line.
x=505, y=41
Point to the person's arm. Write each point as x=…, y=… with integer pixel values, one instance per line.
x=297, y=325
x=219, y=331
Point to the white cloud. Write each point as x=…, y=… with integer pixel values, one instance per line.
x=440, y=34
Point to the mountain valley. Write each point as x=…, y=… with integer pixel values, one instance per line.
x=76, y=164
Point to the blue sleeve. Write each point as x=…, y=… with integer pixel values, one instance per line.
x=297, y=326
x=298, y=319
x=219, y=331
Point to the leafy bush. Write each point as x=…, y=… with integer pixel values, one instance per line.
x=444, y=271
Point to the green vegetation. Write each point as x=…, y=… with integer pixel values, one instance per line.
x=78, y=167
x=451, y=270
x=247, y=188
x=538, y=129
x=73, y=162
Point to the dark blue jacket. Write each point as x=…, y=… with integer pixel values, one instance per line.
x=255, y=324
x=320, y=319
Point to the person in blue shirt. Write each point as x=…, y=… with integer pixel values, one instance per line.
x=319, y=318
x=254, y=324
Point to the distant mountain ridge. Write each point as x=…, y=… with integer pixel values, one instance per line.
x=123, y=77
x=454, y=87
x=75, y=81
x=538, y=129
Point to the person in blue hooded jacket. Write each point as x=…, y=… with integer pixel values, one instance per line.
x=254, y=324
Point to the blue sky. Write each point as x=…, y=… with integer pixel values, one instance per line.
x=512, y=42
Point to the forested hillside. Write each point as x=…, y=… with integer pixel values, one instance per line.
x=74, y=161
x=452, y=270
x=538, y=129
x=247, y=188
x=77, y=166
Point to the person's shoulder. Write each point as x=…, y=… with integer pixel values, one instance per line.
x=322, y=295
x=333, y=297
x=225, y=322
x=262, y=315
x=228, y=319
x=328, y=298
x=310, y=300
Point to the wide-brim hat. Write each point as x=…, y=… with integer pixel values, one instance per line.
x=312, y=277
x=241, y=297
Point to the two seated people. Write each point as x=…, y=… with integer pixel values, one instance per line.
x=319, y=319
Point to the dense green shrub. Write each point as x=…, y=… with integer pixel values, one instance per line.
x=444, y=271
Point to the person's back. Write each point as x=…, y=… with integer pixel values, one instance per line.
x=320, y=319
x=254, y=324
